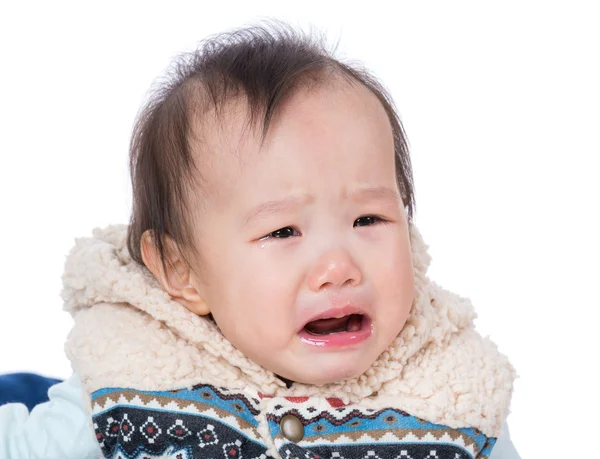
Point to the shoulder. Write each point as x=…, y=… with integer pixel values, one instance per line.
x=117, y=345
x=461, y=380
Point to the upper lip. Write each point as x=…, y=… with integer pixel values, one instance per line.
x=337, y=312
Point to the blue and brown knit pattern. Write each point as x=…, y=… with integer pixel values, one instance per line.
x=209, y=422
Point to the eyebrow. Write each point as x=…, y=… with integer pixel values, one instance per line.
x=376, y=193
x=286, y=204
x=276, y=206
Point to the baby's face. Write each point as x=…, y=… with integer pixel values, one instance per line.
x=308, y=227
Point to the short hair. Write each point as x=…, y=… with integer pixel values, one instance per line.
x=265, y=63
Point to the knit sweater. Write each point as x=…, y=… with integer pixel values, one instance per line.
x=164, y=382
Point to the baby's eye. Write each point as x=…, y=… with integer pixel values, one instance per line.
x=367, y=220
x=282, y=233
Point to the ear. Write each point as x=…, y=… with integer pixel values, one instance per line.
x=176, y=280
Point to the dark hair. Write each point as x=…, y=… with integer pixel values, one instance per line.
x=264, y=63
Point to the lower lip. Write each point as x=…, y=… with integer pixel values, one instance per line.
x=338, y=340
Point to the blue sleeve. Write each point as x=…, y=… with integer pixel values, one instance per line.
x=58, y=429
x=31, y=389
x=504, y=448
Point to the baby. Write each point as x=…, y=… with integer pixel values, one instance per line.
x=269, y=298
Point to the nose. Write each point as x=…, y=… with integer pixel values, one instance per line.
x=334, y=268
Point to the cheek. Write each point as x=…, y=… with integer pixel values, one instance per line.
x=393, y=277
x=255, y=294
x=273, y=286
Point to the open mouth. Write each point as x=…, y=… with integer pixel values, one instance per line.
x=348, y=323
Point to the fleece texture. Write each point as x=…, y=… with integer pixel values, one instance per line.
x=130, y=333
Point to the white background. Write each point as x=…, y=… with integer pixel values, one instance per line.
x=501, y=104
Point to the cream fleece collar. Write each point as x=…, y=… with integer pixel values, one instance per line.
x=129, y=333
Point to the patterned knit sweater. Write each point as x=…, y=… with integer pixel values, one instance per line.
x=164, y=382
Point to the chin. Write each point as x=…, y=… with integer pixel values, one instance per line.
x=331, y=374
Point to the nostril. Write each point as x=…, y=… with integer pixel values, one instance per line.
x=349, y=282
x=346, y=283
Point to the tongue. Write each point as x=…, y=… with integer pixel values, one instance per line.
x=342, y=324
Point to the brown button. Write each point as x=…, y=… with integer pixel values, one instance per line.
x=292, y=428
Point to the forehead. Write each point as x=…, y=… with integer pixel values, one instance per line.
x=333, y=129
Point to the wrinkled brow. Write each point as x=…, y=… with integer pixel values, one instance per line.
x=372, y=193
x=276, y=206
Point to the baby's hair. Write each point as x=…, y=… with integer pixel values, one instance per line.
x=264, y=63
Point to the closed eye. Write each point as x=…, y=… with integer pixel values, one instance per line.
x=368, y=220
